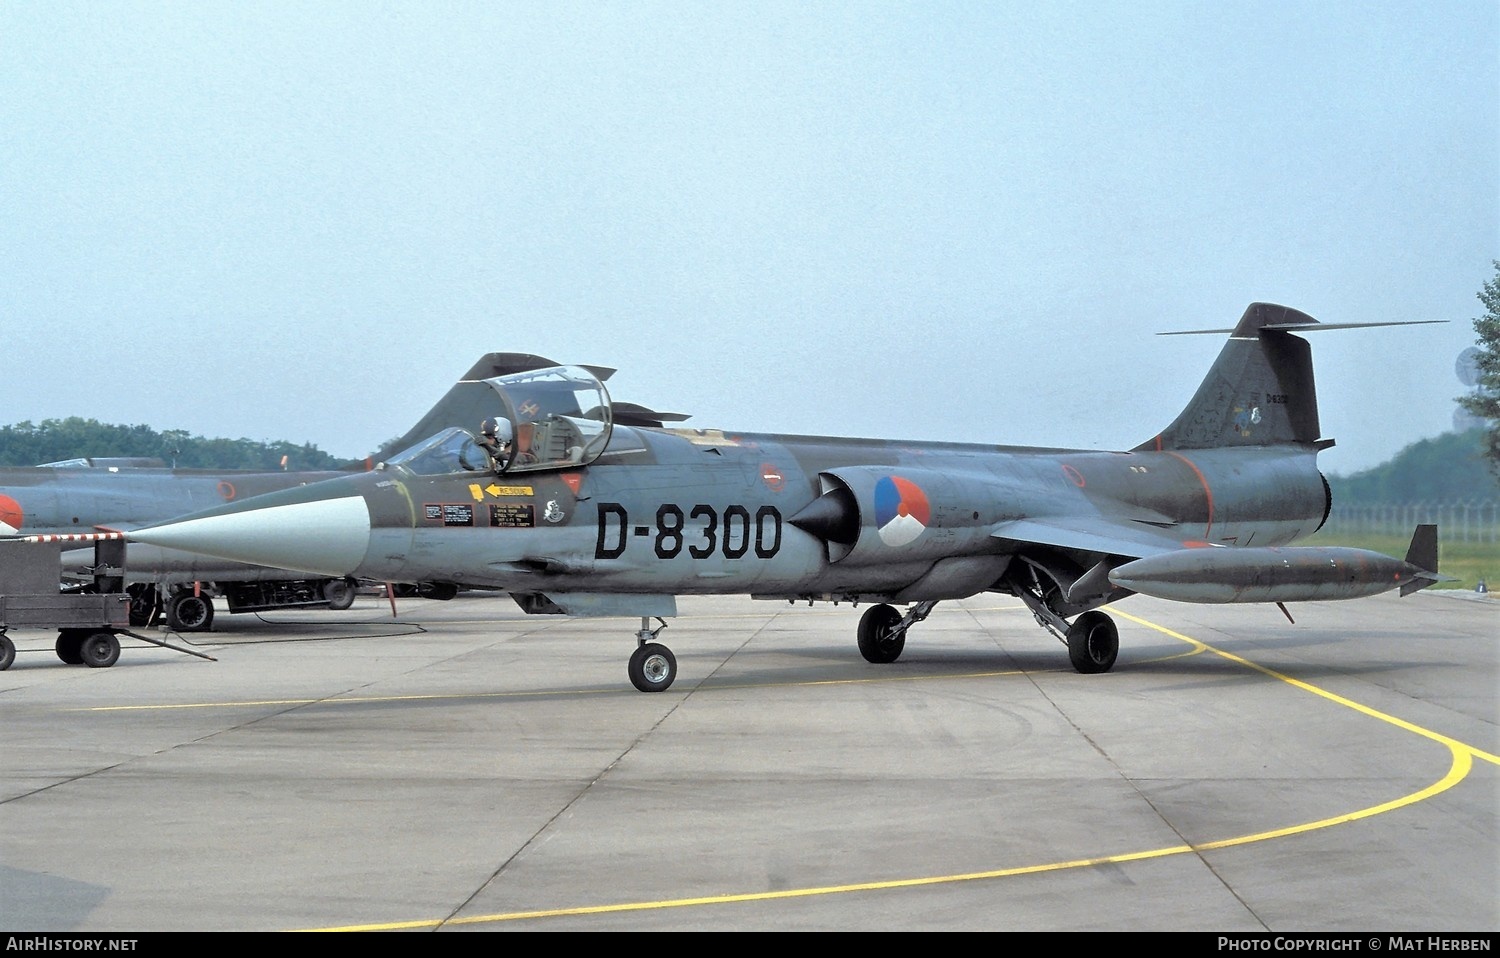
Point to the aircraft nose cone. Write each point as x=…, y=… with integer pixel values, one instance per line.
x=323, y=537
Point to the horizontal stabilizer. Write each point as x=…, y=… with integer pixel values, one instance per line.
x=491, y=365
x=1305, y=327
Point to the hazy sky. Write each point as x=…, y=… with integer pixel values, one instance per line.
x=959, y=221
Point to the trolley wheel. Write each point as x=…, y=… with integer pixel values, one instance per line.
x=100, y=650
x=69, y=646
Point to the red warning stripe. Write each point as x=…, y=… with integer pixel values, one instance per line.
x=1208, y=494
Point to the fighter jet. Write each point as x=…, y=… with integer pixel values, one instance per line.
x=77, y=496
x=572, y=510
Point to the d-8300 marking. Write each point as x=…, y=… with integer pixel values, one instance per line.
x=731, y=532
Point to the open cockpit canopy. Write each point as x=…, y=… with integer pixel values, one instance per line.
x=555, y=418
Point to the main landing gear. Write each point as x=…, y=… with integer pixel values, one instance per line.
x=882, y=631
x=652, y=665
x=1092, y=639
x=1093, y=643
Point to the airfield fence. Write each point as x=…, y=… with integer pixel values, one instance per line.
x=1457, y=520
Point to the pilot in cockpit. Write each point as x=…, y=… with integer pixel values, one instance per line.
x=495, y=440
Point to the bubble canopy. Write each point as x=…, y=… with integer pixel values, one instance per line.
x=559, y=417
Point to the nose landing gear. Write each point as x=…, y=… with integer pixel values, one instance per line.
x=652, y=665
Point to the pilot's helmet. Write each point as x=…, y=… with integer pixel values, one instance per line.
x=496, y=429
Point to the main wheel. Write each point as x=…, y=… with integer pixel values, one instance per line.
x=339, y=593
x=1093, y=643
x=652, y=667
x=69, y=644
x=189, y=613
x=100, y=650
x=878, y=642
x=7, y=652
x=145, y=602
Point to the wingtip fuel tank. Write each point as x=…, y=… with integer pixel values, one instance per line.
x=1285, y=574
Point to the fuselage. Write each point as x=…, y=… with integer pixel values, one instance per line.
x=685, y=512
x=575, y=510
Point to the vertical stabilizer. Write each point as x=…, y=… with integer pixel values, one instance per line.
x=1259, y=391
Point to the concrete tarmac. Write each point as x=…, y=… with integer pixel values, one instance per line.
x=467, y=767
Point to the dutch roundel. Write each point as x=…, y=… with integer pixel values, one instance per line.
x=901, y=511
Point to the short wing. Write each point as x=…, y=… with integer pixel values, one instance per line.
x=1091, y=535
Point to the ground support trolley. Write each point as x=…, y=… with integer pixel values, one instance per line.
x=89, y=620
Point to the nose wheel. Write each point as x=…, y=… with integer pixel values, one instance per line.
x=652, y=665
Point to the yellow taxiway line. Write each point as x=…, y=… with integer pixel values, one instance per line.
x=1463, y=756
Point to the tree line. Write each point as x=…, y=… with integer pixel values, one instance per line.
x=1451, y=467
x=55, y=440
x=1484, y=400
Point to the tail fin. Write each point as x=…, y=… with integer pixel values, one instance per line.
x=1422, y=555
x=1259, y=391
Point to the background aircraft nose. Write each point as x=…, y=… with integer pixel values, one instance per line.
x=324, y=537
x=10, y=515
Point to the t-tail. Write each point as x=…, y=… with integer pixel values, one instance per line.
x=1260, y=389
x=1258, y=393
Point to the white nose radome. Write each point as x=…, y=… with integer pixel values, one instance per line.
x=327, y=537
